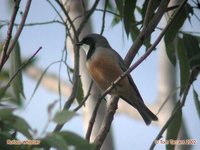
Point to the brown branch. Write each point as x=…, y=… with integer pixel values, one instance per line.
x=9, y=34
x=16, y=37
x=21, y=26
x=106, y=123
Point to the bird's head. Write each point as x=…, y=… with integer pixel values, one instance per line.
x=91, y=41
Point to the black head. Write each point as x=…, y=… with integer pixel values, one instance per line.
x=91, y=41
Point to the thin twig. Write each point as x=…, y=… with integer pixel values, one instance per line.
x=57, y=12
x=85, y=98
x=16, y=37
x=108, y=11
x=6, y=22
x=9, y=34
x=103, y=17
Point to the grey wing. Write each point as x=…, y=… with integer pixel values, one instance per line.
x=124, y=68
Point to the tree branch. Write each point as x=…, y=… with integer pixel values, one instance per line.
x=9, y=34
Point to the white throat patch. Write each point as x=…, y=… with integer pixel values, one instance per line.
x=86, y=48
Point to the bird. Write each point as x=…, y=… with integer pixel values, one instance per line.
x=105, y=65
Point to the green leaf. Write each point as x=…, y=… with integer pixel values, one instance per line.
x=5, y=113
x=17, y=83
x=77, y=141
x=4, y=75
x=193, y=50
x=115, y=21
x=4, y=136
x=63, y=116
x=184, y=65
x=174, y=127
x=120, y=6
x=129, y=8
x=79, y=94
x=172, y=32
x=40, y=79
x=3, y=91
x=196, y=101
x=22, y=126
x=54, y=140
x=15, y=122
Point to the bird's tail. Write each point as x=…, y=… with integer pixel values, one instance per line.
x=146, y=114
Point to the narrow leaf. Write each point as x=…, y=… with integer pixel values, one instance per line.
x=174, y=127
x=63, y=116
x=17, y=83
x=196, y=101
x=129, y=8
x=184, y=64
x=193, y=50
x=171, y=34
x=120, y=6
x=40, y=79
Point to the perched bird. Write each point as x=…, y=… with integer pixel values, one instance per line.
x=105, y=65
